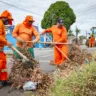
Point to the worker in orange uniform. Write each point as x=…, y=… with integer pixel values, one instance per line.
x=3, y=42
x=60, y=36
x=92, y=41
x=24, y=32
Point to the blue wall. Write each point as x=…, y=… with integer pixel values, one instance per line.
x=9, y=37
x=37, y=45
x=41, y=39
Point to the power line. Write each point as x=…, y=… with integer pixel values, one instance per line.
x=87, y=9
x=19, y=7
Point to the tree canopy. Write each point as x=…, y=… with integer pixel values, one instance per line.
x=59, y=9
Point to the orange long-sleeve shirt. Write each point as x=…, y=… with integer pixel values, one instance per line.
x=25, y=33
x=59, y=34
x=3, y=40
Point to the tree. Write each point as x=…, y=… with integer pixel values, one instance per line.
x=70, y=32
x=77, y=32
x=59, y=9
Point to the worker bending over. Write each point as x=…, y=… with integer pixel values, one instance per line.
x=24, y=32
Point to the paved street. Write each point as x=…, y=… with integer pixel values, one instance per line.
x=43, y=56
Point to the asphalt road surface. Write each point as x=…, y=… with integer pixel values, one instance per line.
x=43, y=56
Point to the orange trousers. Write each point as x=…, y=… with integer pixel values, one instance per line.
x=59, y=58
x=3, y=69
x=91, y=44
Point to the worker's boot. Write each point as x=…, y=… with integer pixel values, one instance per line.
x=51, y=62
x=4, y=83
x=62, y=66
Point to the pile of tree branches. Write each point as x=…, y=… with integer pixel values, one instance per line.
x=20, y=75
x=77, y=57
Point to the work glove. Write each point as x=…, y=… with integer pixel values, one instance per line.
x=25, y=45
x=34, y=41
x=20, y=40
x=42, y=33
x=53, y=43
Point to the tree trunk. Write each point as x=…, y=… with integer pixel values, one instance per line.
x=76, y=38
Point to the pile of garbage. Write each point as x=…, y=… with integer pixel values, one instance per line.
x=32, y=78
x=77, y=57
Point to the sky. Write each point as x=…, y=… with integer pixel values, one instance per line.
x=85, y=11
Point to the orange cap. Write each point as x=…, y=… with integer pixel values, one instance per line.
x=10, y=16
x=6, y=14
x=29, y=18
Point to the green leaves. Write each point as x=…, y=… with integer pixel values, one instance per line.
x=81, y=82
x=59, y=9
x=77, y=31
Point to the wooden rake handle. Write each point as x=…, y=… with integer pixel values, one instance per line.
x=58, y=48
x=49, y=42
x=63, y=53
x=24, y=57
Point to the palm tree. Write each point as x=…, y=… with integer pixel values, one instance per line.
x=77, y=32
x=70, y=32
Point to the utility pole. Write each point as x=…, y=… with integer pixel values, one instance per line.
x=76, y=35
x=86, y=34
